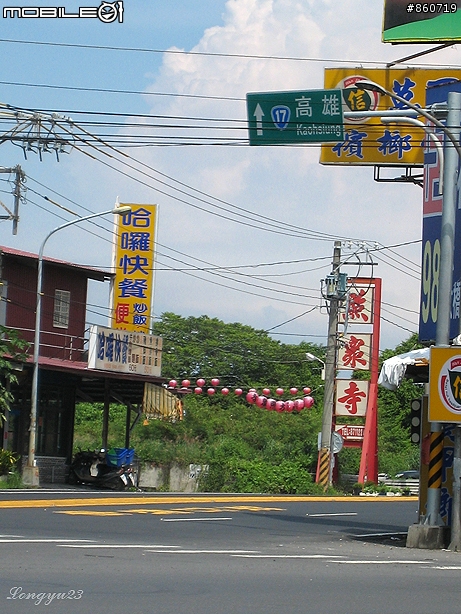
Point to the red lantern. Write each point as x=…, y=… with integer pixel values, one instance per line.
x=238, y=391
x=172, y=383
x=289, y=406
x=198, y=390
x=215, y=381
x=293, y=391
x=266, y=391
x=185, y=383
x=251, y=397
x=271, y=404
x=225, y=391
x=308, y=402
x=261, y=401
x=279, y=406
x=201, y=382
x=306, y=390
x=299, y=404
x=279, y=391
x=211, y=391
x=252, y=390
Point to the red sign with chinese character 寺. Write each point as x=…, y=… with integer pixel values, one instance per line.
x=351, y=397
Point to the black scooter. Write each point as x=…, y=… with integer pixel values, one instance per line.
x=91, y=467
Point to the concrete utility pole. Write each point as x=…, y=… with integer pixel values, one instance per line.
x=324, y=462
x=18, y=181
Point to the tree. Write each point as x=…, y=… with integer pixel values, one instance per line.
x=12, y=349
x=240, y=355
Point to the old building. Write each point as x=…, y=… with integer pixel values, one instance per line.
x=64, y=376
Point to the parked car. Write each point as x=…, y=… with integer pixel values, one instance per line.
x=413, y=474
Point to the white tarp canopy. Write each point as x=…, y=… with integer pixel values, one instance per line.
x=393, y=369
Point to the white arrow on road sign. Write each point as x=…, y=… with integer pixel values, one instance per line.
x=259, y=114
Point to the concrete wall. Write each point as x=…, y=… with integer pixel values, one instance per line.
x=173, y=478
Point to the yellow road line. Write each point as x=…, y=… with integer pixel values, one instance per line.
x=153, y=500
x=174, y=511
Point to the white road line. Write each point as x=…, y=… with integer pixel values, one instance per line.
x=41, y=541
x=232, y=552
x=289, y=556
x=194, y=519
x=380, y=534
x=335, y=514
x=114, y=545
x=381, y=562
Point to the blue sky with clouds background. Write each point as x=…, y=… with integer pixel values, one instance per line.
x=215, y=196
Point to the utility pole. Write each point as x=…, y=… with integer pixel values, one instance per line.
x=333, y=294
x=18, y=181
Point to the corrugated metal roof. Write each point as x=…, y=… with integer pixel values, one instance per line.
x=91, y=272
x=90, y=383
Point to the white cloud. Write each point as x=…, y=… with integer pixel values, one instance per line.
x=283, y=183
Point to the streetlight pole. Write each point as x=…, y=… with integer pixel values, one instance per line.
x=30, y=472
x=452, y=157
x=312, y=357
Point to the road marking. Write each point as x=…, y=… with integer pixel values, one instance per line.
x=137, y=499
x=289, y=556
x=402, y=533
x=40, y=541
x=88, y=546
x=92, y=513
x=332, y=514
x=194, y=519
x=172, y=511
x=455, y=567
x=381, y=562
x=232, y=552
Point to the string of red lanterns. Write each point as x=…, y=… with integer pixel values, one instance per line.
x=252, y=397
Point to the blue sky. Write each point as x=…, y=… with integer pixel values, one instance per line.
x=286, y=184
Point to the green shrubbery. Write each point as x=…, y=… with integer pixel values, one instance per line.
x=247, y=449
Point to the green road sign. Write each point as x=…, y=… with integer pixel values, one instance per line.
x=289, y=118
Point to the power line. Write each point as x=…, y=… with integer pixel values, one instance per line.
x=202, y=53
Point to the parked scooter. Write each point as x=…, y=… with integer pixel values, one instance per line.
x=91, y=467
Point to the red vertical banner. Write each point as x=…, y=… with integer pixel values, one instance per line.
x=369, y=460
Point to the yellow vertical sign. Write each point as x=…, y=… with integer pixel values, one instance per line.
x=132, y=290
x=445, y=384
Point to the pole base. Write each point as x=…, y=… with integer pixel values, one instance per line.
x=428, y=537
x=31, y=476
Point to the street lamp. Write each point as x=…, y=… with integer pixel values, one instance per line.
x=311, y=358
x=30, y=475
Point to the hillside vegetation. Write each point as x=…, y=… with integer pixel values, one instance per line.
x=247, y=448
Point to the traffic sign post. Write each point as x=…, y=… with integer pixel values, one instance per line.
x=291, y=118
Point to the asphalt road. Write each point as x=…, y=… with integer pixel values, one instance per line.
x=133, y=553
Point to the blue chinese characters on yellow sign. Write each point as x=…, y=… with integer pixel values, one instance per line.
x=134, y=265
x=290, y=118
